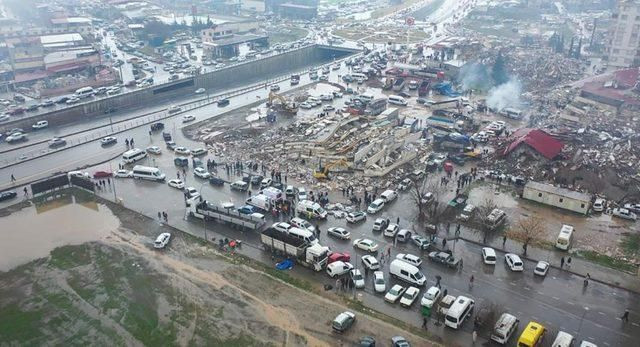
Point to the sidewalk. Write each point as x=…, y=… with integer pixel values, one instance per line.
x=578, y=266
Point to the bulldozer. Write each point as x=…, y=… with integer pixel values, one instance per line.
x=283, y=105
x=323, y=172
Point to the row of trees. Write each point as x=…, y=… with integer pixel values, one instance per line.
x=427, y=195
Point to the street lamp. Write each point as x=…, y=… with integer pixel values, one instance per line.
x=586, y=309
x=204, y=216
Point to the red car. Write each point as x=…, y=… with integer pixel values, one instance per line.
x=335, y=256
x=102, y=174
x=17, y=110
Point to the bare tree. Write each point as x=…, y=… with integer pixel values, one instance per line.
x=486, y=316
x=530, y=228
x=426, y=196
x=484, y=210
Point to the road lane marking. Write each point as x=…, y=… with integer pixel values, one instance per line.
x=600, y=312
x=606, y=343
x=556, y=298
x=541, y=293
x=636, y=324
x=513, y=283
x=570, y=303
x=527, y=288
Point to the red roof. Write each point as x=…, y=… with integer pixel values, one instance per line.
x=537, y=139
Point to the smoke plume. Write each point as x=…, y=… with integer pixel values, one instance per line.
x=505, y=95
x=474, y=76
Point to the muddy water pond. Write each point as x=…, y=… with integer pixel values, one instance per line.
x=34, y=231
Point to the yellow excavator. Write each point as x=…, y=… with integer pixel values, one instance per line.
x=283, y=105
x=323, y=172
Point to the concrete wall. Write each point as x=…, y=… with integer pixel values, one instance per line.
x=215, y=82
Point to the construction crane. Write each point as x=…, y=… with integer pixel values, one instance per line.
x=323, y=172
x=283, y=105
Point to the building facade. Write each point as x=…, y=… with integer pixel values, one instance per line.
x=557, y=197
x=623, y=38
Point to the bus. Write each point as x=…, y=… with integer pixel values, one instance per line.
x=84, y=92
x=511, y=113
x=133, y=155
x=458, y=312
x=565, y=237
x=397, y=100
x=148, y=173
x=376, y=106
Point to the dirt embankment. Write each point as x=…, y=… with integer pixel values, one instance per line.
x=120, y=291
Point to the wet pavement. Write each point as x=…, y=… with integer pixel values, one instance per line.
x=33, y=231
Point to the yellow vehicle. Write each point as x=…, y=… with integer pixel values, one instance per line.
x=323, y=172
x=283, y=105
x=532, y=335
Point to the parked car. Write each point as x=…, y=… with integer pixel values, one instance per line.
x=409, y=297
x=176, y=183
x=201, y=172
x=122, y=173
x=624, y=214
x=182, y=150
x=357, y=278
x=422, y=242
x=339, y=232
x=16, y=137
x=162, y=240
x=379, y=283
x=513, y=262
x=7, y=195
x=338, y=268
x=343, y=321
x=355, y=217
x=370, y=262
x=410, y=259
x=430, y=297
x=394, y=293
x=102, y=174
x=379, y=224
x=366, y=245
x=541, y=268
x=399, y=341
x=154, y=150
x=489, y=256
x=339, y=256
x=444, y=258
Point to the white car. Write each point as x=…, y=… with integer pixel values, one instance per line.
x=355, y=217
x=366, y=245
x=338, y=268
x=282, y=227
x=514, y=262
x=598, y=205
x=430, y=297
x=162, y=240
x=391, y=230
x=198, y=152
x=375, y=206
x=182, y=150
x=174, y=109
x=201, y=172
x=200, y=91
x=467, y=212
x=123, y=173
x=188, y=118
x=394, y=293
x=370, y=262
x=40, y=125
x=108, y=140
x=541, y=268
x=328, y=108
x=621, y=213
x=15, y=137
x=302, y=194
x=357, y=278
x=409, y=296
x=176, y=183
x=439, y=159
x=274, y=87
x=154, y=150
x=409, y=259
x=339, y=232
x=302, y=224
x=379, y=284
x=191, y=192
x=4, y=117
x=305, y=105
x=489, y=256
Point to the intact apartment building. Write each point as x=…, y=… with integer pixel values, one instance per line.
x=623, y=39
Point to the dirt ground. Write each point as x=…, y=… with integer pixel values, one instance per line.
x=121, y=291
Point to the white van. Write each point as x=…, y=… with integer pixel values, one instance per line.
x=458, y=312
x=565, y=237
x=302, y=234
x=397, y=100
x=389, y=195
x=505, y=327
x=563, y=340
x=406, y=272
x=260, y=201
x=310, y=209
x=133, y=155
x=84, y=92
x=366, y=97
x=273, y=193
x=240, y=185
x=148, y=173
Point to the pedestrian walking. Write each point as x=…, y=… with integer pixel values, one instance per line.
x=398, y=221
x=178, y=174
x=424, y=323
x=166, y=216
x=444, y=242
x=625, y=316
x=13, y=178
x=474, y=337
x=561, y=262
x=438, y=278
x=26, y=193
x=388, y=252
x=471, y=279
x=160, y=215
x=569, y=262
x=444, y=293
x=504, y=241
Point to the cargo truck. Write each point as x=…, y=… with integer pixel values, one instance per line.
x=312, y=256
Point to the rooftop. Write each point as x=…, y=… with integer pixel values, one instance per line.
x=70, y=20
x=548, y=188
x=60, y=38
x=537, y=139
